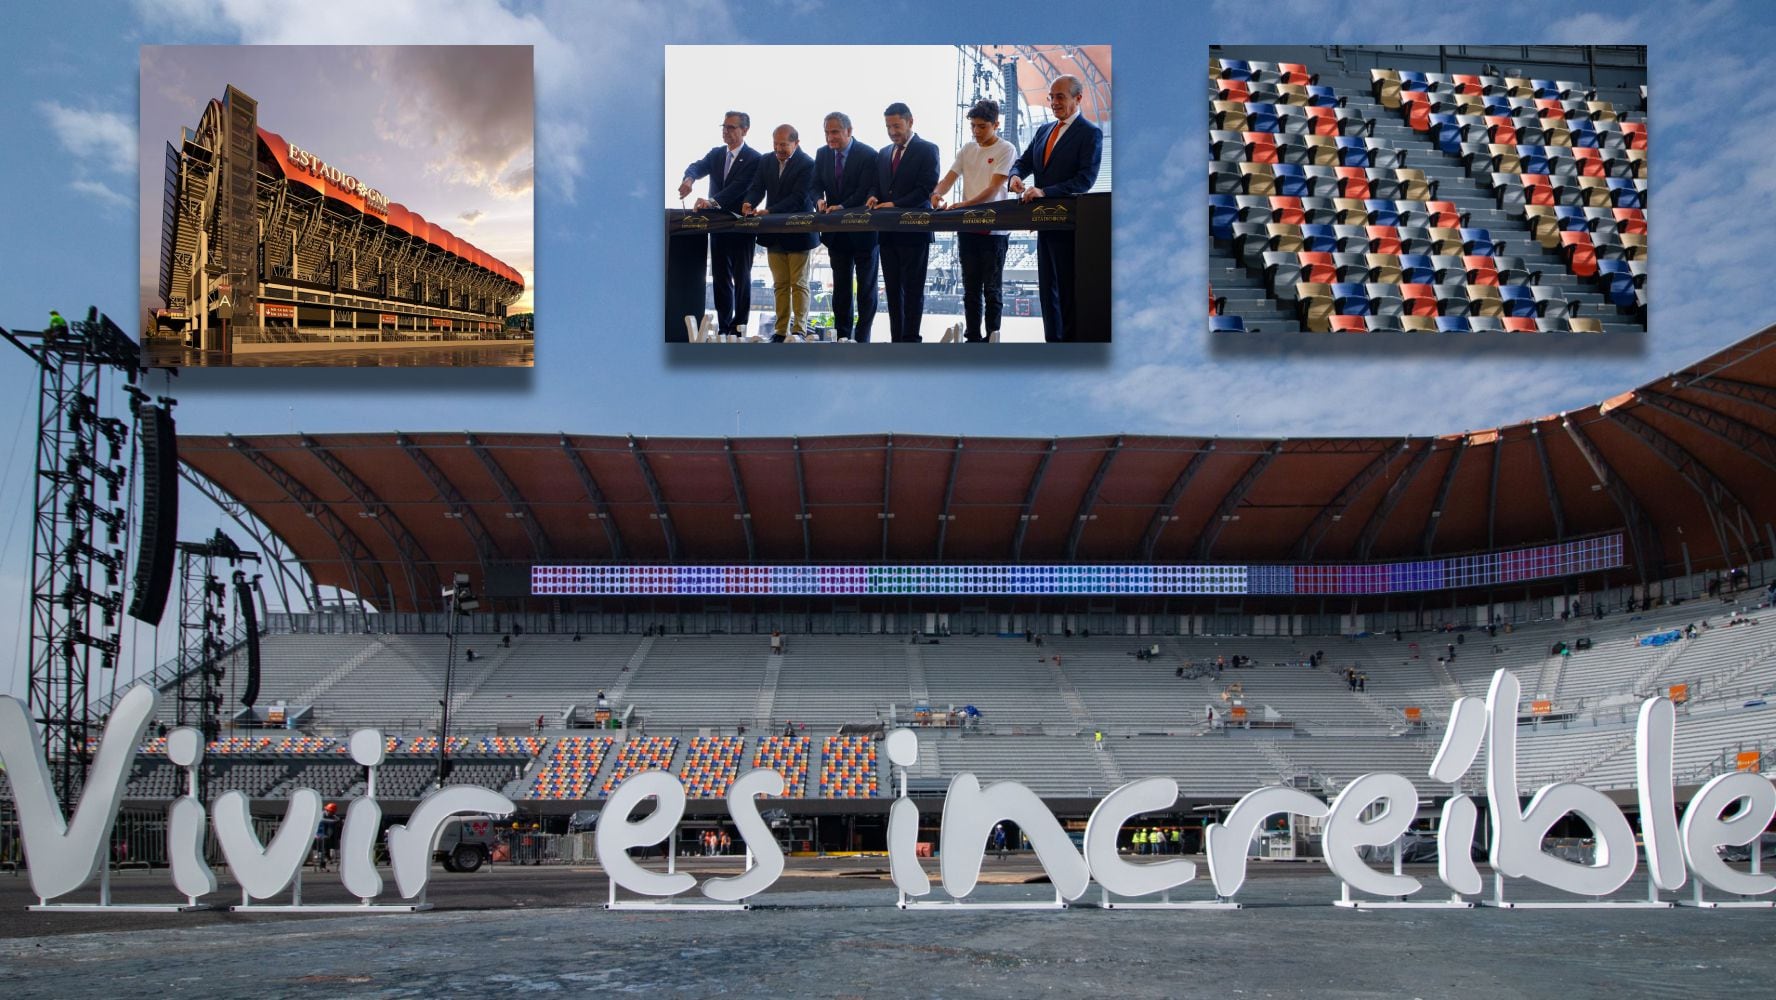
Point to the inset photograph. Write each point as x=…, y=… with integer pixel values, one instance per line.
x=344, y=206
x=1428, y=189
x=888, y=194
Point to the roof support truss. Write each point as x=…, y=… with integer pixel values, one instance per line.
x=745, y=514
x=1647, y=549
x=1090, y=499
x=1725, y=510
x=1333, y=512
x=1391, y=499
x=1164, y=516
x=1756, y=444
x=802, y=514
x=944, y=516
x=447, y=493
x=1225, y=511
x=1436, y=516
x=600, y=509
x=353, y=553
x=423, y=585
x=887, y=480
x=661, y=514
x=1492, y=492
x=521, y=508
x=1024, y=516
x=1554, y=505
x=278, y=555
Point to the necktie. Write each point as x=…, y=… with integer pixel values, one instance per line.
x=1050, y=148
x=839, y=168
x=894, y=167
x=728, y=166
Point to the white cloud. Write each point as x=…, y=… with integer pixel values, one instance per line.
x=100, y=192
x=98, y=138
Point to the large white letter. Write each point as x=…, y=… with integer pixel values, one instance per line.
x=1517, y=836
x=363, y=820
x=1455, y=833
x=185, y=819
x=1704, y=830
x=1656, y=732
x=968, y=816
x=263, y=871
x=767, y=856
x=1346, y=831
x=64, y=855
x=903, y=819
x=1227, y=842
x=411, y=845
x=617, y=833
x=1113, y=873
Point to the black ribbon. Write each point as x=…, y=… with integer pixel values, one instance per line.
x=1044, y=213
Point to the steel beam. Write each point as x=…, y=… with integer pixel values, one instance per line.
x=887, y=479
x=802, y=514
x=661, y=514
x=1390, y=500
x=422, y=591
x=1548, y=484
x=1334, y=512
x=1754, y=443
x=1639, y=528
x=1436, y=517
x=1492, y=492
x=595, y=496
x=352, y=550
x=944, y=517
x=460, y=511
x=521, y=508
x=1090, y=499
x=745, y=515
x=1024, y=516
x=1224, y=511
x=1164, y=516
x=278, y=554
x=1716, y=496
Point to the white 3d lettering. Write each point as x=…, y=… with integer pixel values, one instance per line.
x=64, y=856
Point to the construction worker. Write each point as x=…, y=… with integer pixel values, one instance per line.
x=58, y=327
x=1140, y=840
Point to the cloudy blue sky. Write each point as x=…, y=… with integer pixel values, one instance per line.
x=69, y=211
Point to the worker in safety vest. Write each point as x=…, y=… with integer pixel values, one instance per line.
x=58, y=327
x=1140, y=840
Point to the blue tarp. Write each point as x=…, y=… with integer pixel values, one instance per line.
x=1661, y=638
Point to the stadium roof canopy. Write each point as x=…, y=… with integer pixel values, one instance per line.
x=1683, y=466
x=1038, y=65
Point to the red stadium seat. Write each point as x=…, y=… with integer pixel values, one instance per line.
x=1419, y=300
x=1287, y=211
x=1322, y=121
x=1262, y=147
x=1417, y=105
x=1590, y=162
x=1387, y=239
x=1501, y=129
x=1350, y=324
x=1442, y=215
x=1581, y=256
x=1520, y=324
x=1630, y=220
x=1353, y=182
x=1317, y=267
x=1537, y=189
x=1481, y=270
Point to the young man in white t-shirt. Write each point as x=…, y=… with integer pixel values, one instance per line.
x=982, y=166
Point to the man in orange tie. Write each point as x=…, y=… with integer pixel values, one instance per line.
x=1062, y=161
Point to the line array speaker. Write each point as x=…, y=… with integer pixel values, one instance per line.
x=160, y=515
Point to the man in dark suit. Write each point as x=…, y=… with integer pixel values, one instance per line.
x=844, y=180
x=730, y=168
x=906, y=173
x=1060, y=162
x=785, y=185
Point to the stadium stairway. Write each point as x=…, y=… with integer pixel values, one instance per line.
x=1248, y=298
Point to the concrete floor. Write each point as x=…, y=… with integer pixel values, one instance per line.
x=830, y=928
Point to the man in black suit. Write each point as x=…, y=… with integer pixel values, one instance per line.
x=906, y=173
x=844, y=180
x=730, y=168
x=1062, y=161
x=785, y=185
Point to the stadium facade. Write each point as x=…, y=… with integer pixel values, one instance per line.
x=266, y=242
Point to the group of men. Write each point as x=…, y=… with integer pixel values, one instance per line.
x=847, y=175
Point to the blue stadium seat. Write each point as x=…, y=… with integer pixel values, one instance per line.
x=1625, y=194
x=1322, y=97
x=1226, y=324
x=1518, y=300
x=1350, y=299
x=1453, y=324
x=1618, y=282
x=1235, y=69
x=1413, y=80
x=1318, y=239
x=1262, y=118
x=1417, y=269
x=1223, y=212
x=1446, y=132
x=1291, y=180
x=1479, y=243
x=1382, y=213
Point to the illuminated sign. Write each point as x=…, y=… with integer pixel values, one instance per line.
x=374, y=200
x=1454, y=572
